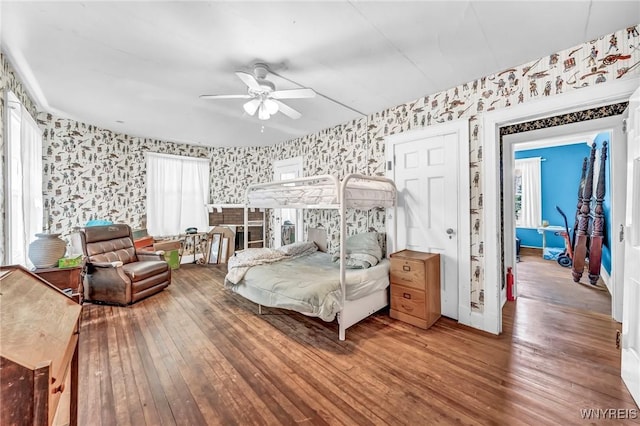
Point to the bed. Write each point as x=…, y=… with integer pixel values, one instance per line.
x=336, y=290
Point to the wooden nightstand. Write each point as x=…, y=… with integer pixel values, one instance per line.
x=415, y=287
x=64, y=278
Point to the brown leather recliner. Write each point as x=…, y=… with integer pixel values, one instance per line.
x=116, y=273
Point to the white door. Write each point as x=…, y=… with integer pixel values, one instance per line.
x=630, y=368
x=426, y=176
x=618, y=185
x=288, y=222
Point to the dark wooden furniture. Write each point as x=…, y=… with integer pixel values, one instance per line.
x=415, y=287
x=597, y=230
x=232, y=217
x=38, y=351
x=582, y=230
x=591, y=222
x=64, y=279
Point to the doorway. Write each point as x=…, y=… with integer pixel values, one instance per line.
x=597, y=98
x=593, y=131
x=288, y=222
x=544, y=226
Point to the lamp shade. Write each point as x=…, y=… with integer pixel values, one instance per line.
x=271, y=105
x=252, y=106
x=263, y=113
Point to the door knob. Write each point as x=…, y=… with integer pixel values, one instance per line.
x=450, y=232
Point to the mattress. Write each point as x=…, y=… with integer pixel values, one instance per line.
x=309, y=284
x=360, y=194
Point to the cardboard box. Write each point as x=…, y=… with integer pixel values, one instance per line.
x=70, y=262
x=166, y=245
x=173, y=258
x=143, y=242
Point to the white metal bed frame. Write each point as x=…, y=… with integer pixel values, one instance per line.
x=352, y=311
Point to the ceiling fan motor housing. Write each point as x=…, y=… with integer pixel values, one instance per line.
x=260, y=71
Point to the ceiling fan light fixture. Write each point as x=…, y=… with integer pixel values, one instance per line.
x=263, y=113
x=251, y=107
x=271, y=106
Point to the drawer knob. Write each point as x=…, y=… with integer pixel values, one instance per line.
x=406, y=308
x=406, y=295
x=406, y=268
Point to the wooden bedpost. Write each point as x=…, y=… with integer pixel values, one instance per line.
x=583, y=175
x=582, y=234
x=595, y=245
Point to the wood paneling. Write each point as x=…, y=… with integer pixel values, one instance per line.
x=199, y=354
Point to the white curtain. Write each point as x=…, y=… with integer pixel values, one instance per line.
x=24, y=165
x=531, y=210
x=177, y=192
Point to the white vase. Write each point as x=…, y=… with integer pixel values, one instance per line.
x=45, y=251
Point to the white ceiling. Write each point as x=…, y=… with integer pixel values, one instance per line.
x=139, y=67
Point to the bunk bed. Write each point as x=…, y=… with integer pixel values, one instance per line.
x=351, y=301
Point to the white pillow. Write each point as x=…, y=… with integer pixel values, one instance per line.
x=297, y=248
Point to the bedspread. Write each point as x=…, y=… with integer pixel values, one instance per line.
x=309, y=284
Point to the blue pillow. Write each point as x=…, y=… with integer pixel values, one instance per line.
x=98, y=222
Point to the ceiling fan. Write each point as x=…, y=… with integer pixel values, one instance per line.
x=265, y=99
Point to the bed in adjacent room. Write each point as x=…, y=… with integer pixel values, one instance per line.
x=350, y=285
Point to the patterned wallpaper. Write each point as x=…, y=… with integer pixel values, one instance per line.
x=97, y=173
x=93, y=173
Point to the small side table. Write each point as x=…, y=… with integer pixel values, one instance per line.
x=551, y=228
x=64, y=278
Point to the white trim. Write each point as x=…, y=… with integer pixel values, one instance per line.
x=604, y=94
x=606, y=279
x=175, y=157
x=298, y=164
x=461, y=128
x=572, y=139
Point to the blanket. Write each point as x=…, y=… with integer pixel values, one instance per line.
x=239, y=264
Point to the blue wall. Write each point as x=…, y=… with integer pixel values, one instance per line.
x=560, y=179
x=560, y=175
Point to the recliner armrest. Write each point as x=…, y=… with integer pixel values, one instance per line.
x=115, y=264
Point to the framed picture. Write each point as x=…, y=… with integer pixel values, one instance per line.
x=215, y=244
x=224, y=250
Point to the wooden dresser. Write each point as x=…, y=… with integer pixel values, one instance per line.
x=64, y=279
x=38, y=351
x=415, y=287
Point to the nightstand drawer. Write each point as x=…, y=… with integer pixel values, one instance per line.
x=408, y=300
x=408, y=272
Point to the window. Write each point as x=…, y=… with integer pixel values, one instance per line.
x=177, y=192
x=527, y=192
x=24, y=181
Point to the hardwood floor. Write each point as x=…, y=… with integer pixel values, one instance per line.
x=197, y=354
x=547, y=281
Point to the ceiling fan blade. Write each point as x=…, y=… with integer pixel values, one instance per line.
x=252, y=106
x=247, y=96
x=293, y=94
x=248, y=79
x=287, y=110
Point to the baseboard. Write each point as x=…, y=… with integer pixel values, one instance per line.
x=606, y=279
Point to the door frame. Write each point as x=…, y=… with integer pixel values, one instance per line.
x=616, y=156
x=616, y=91
x=298, y=163
x=461, y=128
